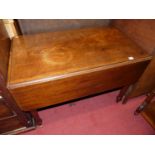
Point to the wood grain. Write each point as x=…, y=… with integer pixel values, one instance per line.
x=51, y=68
x=4, y=110
x=13, y=126
x=46, y=55
x=11, y=116
x=146, y=82
x=72, y=86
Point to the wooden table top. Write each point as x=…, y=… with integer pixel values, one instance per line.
x=53, y=54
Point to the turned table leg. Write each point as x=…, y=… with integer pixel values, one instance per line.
x=140, y=108
x=121, y=94
x=145, y=103
x=36, y=117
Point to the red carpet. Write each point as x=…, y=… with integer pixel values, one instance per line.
x=95, y=115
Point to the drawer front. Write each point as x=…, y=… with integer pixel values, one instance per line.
x=75, y=86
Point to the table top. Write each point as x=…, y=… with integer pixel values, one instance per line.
x=53, y=54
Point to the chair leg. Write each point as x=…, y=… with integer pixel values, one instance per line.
x=36, y=117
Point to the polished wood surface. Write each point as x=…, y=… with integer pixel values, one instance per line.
x=142, y=31
x=11, y=103
x=35, y=57
x=11, y=116
x=149, y=114
x=51, y=68
x=43, y=93
x=4, y=51
x=4, y=110
x=13, y=126
x=146, y=83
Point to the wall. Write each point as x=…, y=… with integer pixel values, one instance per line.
x=141, y=31
x=31, y=26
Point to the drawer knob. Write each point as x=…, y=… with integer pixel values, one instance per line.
x=1, y=97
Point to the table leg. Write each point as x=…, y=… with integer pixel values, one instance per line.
x=36, y=117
